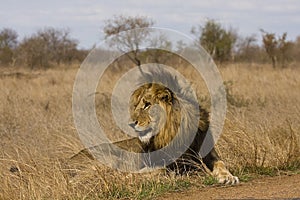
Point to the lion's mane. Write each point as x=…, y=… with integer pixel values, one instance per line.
x=186, y=121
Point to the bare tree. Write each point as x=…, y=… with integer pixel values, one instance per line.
x=248, y=50
x=276, y=48
x=128, y=41
x=59, y=44
x=285, y=48
x=270, y=44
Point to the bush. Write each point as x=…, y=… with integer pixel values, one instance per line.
x=216, y=40
x=8, y=44
x=46, y=48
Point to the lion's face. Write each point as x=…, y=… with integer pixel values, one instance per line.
x=149, y=107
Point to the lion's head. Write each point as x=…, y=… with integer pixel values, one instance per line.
x=163, y=107
x=156, y=114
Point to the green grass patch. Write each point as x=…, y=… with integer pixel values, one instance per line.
x=152, y=188
x=210, y=180
x=146, y=190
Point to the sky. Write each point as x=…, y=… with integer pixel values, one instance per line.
x=85, y=18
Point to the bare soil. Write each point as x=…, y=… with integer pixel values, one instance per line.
x=279, y=187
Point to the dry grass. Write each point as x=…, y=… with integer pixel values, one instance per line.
x=262, y=127
x=262, y=130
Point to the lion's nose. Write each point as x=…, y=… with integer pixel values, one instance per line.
x=133, y=124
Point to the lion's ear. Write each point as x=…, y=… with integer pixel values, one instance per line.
x=166, y=96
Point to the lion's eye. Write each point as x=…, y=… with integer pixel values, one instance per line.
x=147, y=105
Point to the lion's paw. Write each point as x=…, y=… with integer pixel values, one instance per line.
x=228, y=179
x=223, y=175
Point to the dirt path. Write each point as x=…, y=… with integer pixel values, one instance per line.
x=264, y=188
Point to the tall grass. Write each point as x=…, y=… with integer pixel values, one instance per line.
x=262, y=131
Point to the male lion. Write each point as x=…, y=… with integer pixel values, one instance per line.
x=160, y=115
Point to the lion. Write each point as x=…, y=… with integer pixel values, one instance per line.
x=153, y=95
x=159, y=117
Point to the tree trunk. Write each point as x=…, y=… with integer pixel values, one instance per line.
x=274, y=61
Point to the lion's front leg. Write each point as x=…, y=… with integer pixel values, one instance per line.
x=223, y=175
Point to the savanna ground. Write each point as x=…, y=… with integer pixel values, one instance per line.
x=261, y=137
